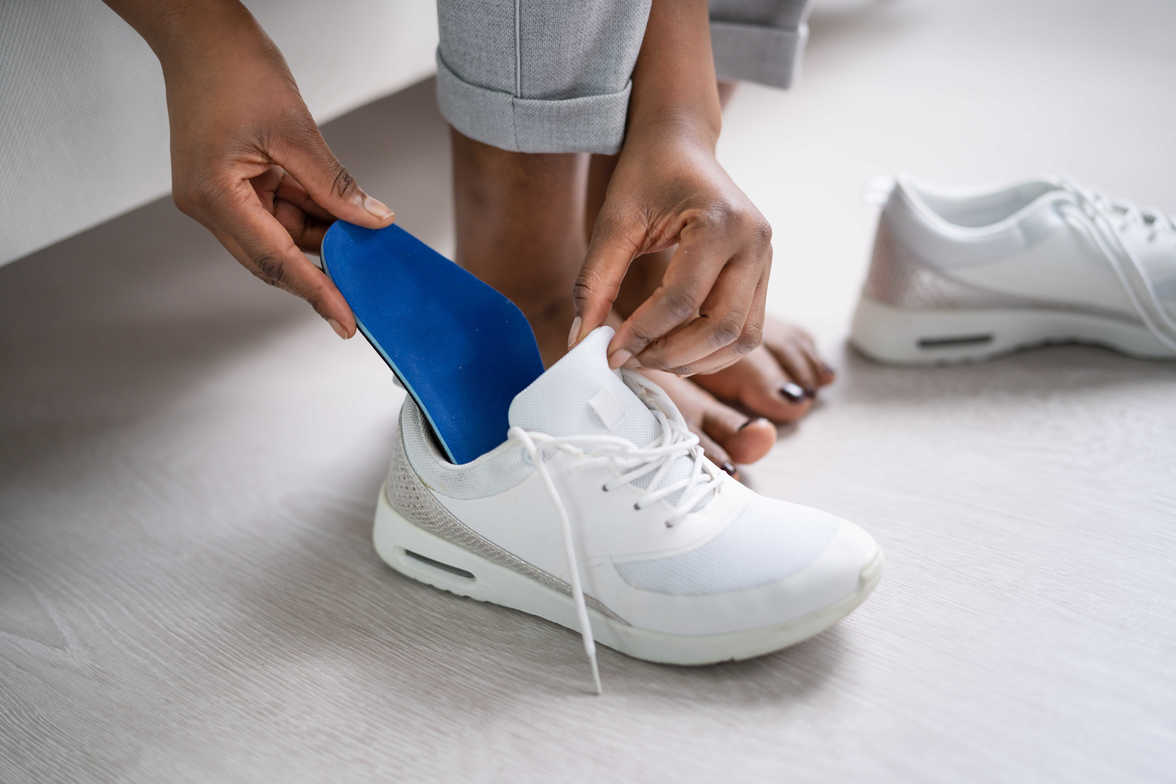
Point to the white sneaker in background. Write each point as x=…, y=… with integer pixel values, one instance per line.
x=600, y=513
x=960, y=276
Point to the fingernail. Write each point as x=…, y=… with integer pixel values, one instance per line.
x=619, y=357
x=378, y=208
x=810, y=392
x=335, y=325
x=728, y=467
x=748, y=422
x=575, y=333
x=793, y=392
x=828, y=369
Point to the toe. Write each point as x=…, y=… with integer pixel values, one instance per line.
x=825, y=372
x=697, y=408
x=760, y=383
x=797, y=366
x=796, y=351
x=717, y=454
x=745, y=440
x=822, y=371
x=728, y=436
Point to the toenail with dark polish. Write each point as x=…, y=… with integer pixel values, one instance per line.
x=728, y=467
x=751, y=421
x=793, y=392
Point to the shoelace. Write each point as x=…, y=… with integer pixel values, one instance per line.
x=674, y=440
x=1111, y=218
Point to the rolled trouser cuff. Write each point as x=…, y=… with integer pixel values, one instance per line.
x=758, y=53
x=591, y=123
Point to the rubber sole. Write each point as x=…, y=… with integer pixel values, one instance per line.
x=890, y=334
x=426, y=558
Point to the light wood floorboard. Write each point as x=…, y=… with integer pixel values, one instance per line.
x=189, y=462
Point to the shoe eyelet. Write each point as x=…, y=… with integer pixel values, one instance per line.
x=604, y=488
x=669, y=524
x=636, y=506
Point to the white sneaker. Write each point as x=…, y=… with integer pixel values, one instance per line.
x=968, y=276
x=677, y=561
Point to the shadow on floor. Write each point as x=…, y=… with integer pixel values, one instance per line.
x=1025, y=376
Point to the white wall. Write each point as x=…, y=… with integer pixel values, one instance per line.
x=83, y=128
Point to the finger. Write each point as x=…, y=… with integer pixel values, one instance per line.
x=266, y=184
x=721, y=332
x=749, y=338
x=282, y=196
x=304, y=153
x=266, y=249
x=688, y=280
x=301, y=278
x=611, y=250
x=289, y=189
x=306, y=230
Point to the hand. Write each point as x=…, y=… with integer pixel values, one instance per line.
x=668, y=189
x=249, y=163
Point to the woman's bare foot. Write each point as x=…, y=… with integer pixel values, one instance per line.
x=779, y=380
x=514, y=214
x=728, y=436
x=735, y=412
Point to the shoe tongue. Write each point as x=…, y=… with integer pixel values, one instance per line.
x=580, y=395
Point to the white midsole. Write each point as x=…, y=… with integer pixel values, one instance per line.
x=394, y=537
x=892, y=334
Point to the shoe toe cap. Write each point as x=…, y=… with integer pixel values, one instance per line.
x=779, y=565
x=852, y=550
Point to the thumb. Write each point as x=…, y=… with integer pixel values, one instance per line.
x=610, y=252
x=331, y=186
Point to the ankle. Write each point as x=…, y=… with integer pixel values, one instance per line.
x=550, y=319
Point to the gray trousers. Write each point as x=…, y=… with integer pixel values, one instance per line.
x=555, y=75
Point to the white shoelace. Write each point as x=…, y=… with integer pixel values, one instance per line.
x=1111, y=219
x=674, y=440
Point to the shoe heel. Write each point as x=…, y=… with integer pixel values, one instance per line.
x=420, y=555
x=890, y=334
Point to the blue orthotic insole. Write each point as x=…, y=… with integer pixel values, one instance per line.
x=460, y=348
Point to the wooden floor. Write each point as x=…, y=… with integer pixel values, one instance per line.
x=189, y=462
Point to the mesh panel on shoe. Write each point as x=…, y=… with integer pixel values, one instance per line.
x=407, y=494
x=768, y=542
